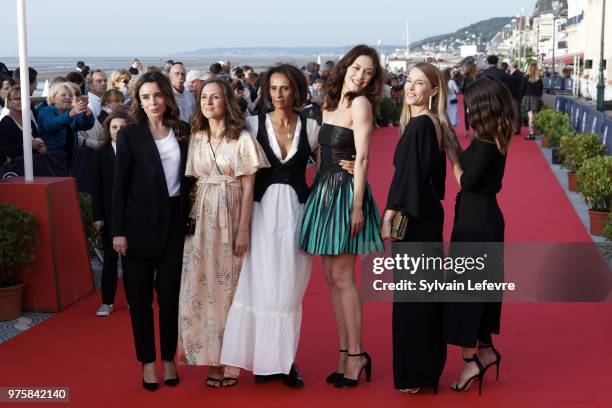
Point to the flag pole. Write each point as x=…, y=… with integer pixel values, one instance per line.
x=24, y=79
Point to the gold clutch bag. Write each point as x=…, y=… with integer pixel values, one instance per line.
x=399, y=225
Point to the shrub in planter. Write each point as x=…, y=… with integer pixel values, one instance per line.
x=388, y=113
x=541, y=119
x=18, y=237
x=607, y=229
x=558, y=126
x=576, y=149
x=595, y=179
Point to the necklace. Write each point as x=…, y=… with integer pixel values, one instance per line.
x=283, y=129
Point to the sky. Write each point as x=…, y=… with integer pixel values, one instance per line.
x=156, y=28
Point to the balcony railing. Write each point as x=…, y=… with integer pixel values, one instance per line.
x=577, y=19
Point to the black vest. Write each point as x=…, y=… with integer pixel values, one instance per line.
x=292, y=172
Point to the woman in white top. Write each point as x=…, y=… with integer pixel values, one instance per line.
x=452, y=104
x=263, y=326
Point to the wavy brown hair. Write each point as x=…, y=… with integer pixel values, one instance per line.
x=234, y=119
x=172, y=113
x=105, y=140
x=333, y=86
x=491, y=111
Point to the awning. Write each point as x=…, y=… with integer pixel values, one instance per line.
x=566, y=59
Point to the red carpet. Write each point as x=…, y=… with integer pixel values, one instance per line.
x=554, y=355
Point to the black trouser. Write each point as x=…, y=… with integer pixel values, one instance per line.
x=465, y=118
x=163, y=273
x=517, y=126
x=109, y=270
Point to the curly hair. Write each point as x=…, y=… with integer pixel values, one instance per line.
x=333, y=86
x=296, y=79
x=234, y=119
x=491, y=111
x=171, y=114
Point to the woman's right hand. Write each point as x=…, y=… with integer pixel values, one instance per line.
x=78, y=107
x=120, y=245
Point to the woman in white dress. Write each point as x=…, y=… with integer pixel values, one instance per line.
x=452, y=105
x=263, y=326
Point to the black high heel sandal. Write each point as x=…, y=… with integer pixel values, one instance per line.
x=479, y=376
x=497, y=359
x=335, y=376
x=149, y=386
x=350, y=383
x=173, y=382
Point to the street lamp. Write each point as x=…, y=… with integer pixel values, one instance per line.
x=556, y=6
x=601, y=86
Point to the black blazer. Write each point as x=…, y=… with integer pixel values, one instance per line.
x=500, y=75
x=517, y=84
x=141, y=210
x=102, y=173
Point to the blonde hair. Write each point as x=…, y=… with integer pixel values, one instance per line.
x=438, y=103
x=56, y=88
x=533, y=73
x=116, y=75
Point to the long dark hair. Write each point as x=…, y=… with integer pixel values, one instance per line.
x=491, y=111
x=171, y=115
x=105, y=140
x=333, y=86
x=234, y=119
x=296, y=79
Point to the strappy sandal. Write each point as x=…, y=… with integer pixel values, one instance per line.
x=232, y=381
x=213, y=382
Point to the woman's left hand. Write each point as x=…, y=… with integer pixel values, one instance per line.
x=356, y=221
x=242, y=243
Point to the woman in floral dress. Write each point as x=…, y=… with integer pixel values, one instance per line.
x=223, y=157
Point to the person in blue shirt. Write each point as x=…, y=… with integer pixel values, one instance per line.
x=62, y=118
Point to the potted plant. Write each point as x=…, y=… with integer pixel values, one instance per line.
x=558, y=126
x=575, y=150
x=18, y=235
x=595, y=178
x=540, y=123
x=607, y=229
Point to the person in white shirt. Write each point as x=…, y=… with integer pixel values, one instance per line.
x=184, y=99
x=97, y=84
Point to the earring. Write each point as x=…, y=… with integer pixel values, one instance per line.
x=430, y=101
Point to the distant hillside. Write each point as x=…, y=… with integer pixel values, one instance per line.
x=486, y=29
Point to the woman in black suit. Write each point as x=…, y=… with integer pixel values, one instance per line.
x=149, y=200
x=479, y=170
x=102, y=167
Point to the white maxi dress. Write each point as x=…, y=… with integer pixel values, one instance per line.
x=263, y=326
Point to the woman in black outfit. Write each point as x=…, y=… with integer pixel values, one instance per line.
x=11, y=131
x=533, y=89
x=102, y=168
x=150, y=197
x=419, y=352
x=479, y=171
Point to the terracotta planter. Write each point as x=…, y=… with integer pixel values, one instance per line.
x=544, y=141
x=10, y=302
x=572, y=182
x=597, y=220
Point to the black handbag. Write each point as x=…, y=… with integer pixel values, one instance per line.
x=453, y=101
